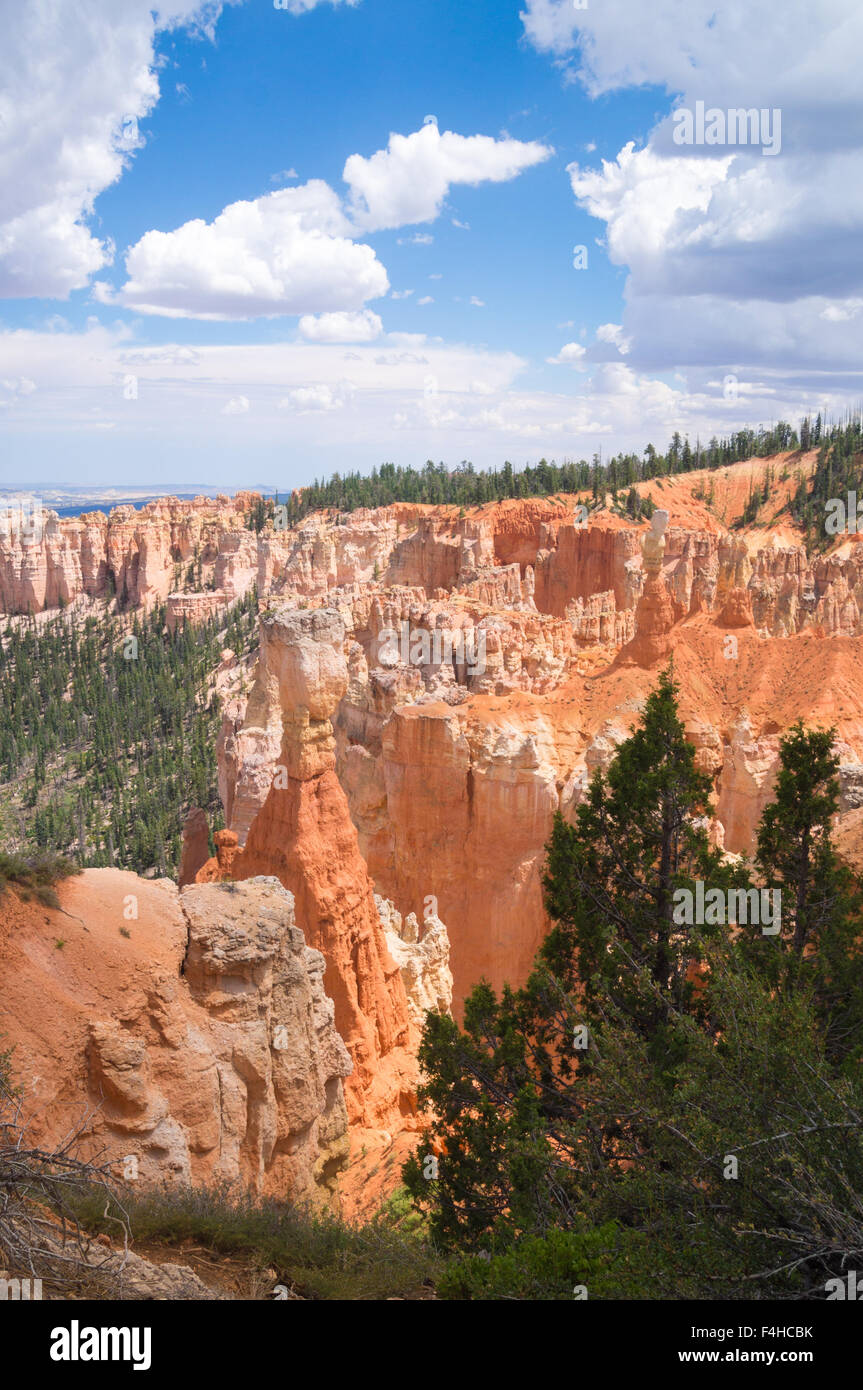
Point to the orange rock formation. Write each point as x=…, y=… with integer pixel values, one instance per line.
x=354, y=768
x=304, y=835
x=452, y=776
x=188, y=1034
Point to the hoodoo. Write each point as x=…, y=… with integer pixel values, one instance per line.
x=304, y=835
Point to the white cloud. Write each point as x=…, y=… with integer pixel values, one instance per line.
x=840, y=313
x=292, y=251
x=614, y=336
x=408, y=339
x=551, y=25
x=725, y=54
x=73, y=86
x=75, y=81
x=409, y=181
x=418, y=239
x=361, y=327
x=170, y=355
x=426, y=299
x=479, y=412
x=237, y=405
x=303, y=6
x=477, y=303
x=735, y=261
x=18, y=386
x=571, y=355
x=642, y=197
x=313, y=399
x=283, y=253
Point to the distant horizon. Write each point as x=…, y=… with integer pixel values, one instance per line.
x=128, y=489
x=604, y=453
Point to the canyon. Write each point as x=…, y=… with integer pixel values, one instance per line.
x=386, y=813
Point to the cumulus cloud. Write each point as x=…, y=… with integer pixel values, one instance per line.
x=409, y=181
x=725, y=54
x=293, y=251
x=317, y=399
x=733, y=259
x=74, y=82
x=642, y=197
x=237, y=405
x=283, y=253
x=570, y=355
x=361, y=327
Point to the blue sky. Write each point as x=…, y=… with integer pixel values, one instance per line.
x=248, y=112
x=405, y=183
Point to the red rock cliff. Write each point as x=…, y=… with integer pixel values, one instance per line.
x=304, y=835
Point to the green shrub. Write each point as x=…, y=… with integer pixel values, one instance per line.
x=552, y=1267
x=321, y=1255
x=35, y=875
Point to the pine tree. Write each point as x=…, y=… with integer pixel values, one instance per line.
x=507, y=1090
x=821, y=908
x=610, y=1095
x=612, y=876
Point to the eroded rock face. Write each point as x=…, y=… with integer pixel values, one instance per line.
x=222, y=865
x=138, y=555
x=746, y=781
x=304, y=835
x=193, y=609
x=517, y=557
x=422, y=958
x=196, y=845
x=453, y=772
x=250, y=968
x=654, y=613
x=189, y=1032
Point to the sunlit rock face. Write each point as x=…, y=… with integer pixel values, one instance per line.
x=188, y=1034
x=452, y=771
x=139, y=556
x=430, y=689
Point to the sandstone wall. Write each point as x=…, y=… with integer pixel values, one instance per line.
x=452, y=775
x=141, y=555
x=304, y=835
x=187, y=1033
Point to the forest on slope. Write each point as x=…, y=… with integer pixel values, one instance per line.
x=109, y=733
